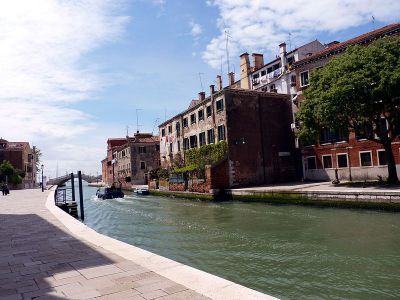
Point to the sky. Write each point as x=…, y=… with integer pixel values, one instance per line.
x=75, y=73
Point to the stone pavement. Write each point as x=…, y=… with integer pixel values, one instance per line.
x=41, y=259
x=320, y=187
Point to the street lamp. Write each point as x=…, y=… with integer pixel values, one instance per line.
x=42, y=167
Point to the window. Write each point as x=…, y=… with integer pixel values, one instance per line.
x=327, y=161
x=179, y=146
x=221, y=133
x=201, y=114
x=383, y=126
x=272, y=88
x=142, y=149
x=208, y=111
x=290, y=60
x=163, y=132
x=185, y=122
x=142, y=165
x=192, y=119
x=364, y=131
x=178, y=128
x=365, y=159
x=220, y=105
x=269, y=70
x=256, y=76
x=185, y=144
x=202, y=138
x=381, y=157
x=332, y=136
x=170, y=147
x=311, y=163
x=170, y=129
x=210, y=136
x=293, y=80
x=263, y=73
x=304, y=78
x=276, y=66
x=157, y=147
x=193, y=141
x=342, y=161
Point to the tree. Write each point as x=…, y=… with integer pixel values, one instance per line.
x=9, y=173
x=359, y=89
x=38, y=155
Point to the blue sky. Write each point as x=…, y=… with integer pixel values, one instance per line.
x=75, y=72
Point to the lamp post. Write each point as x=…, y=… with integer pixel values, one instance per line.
x=42, y=167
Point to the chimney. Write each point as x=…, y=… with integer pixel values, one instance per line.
x=219, y=82
x=212, y=89
x=202, y=96
x=244, y=71
x=258, y=61
x=231, y=76
x=282, y=54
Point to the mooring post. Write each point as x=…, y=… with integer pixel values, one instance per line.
x=81, y=195
x=73, y=186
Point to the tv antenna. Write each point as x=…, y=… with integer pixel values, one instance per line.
x=137, y=119
x=227, y=36
x=201, y=82
x=290, y=41
x=155, y=124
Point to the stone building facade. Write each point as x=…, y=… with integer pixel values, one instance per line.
x=23, y=158
x=130, y=159
x=350, y=155
x=255, y=125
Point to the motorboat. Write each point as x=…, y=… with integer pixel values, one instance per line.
x=144, y=190
x=110, y=193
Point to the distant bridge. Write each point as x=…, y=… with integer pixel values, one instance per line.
x=63, y=179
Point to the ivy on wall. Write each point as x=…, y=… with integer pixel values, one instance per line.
x=196, y=159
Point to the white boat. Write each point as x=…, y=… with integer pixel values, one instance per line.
x=141, y=190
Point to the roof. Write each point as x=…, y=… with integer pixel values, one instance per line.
x=17, y=145
x=288, y=53
x=336, y=48
x=194, y=102
x=223, y=91
x=115, y=142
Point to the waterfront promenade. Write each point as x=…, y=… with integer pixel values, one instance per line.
x=46, y=254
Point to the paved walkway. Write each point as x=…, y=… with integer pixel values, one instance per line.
x=40, y=259
x=320, y=187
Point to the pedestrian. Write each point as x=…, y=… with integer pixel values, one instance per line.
x=3, y=189
x=7, y=190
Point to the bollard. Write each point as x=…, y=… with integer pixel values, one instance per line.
x=81, y=195
x=73, y=186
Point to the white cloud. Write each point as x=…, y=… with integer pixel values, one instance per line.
x=260, y=25
x=43, y=45
x=195, y=29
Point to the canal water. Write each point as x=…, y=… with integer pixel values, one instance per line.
x=290, y=252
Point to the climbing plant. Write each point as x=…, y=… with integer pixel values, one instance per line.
x=197, y=158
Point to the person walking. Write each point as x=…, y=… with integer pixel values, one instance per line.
x=3, y=189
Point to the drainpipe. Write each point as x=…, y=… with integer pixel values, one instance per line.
x=262, y=137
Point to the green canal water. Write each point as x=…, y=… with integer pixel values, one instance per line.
x=290, y=252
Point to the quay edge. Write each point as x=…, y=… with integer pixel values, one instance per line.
x=358, y=200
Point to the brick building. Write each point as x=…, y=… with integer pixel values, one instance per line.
x=130, y=159
x=23, y=158
x=351, y=154
x=255, y=125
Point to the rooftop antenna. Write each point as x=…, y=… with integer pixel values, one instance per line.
x=127, y=130
x=373, y=22
x=154, y=126
x=165, y=114
x=227, y=36
x=290, y=41
x=57, y=170
x=201, y=82
x=137, y=119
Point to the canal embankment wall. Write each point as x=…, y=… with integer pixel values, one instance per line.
x=383, y=200
x=202, y=282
